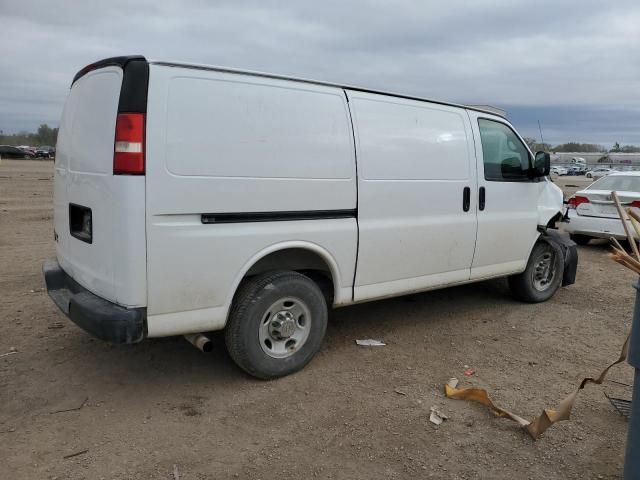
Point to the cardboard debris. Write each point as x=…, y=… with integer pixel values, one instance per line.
x=623, y=219
x=619, y=254
x=540, y=424
x=437, y=417
x=369, y=342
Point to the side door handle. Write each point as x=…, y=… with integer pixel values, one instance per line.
x=466, y=199
x=481, y=198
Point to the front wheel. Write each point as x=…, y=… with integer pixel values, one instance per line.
x=541, y=278
x=276, y=324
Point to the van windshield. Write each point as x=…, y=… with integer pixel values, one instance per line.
x=626, y=183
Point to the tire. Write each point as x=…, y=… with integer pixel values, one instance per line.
x=527, y=286
x=276, y=325
x=588, y=175
x=580, y=239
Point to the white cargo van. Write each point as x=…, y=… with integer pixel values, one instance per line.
x=191, y=198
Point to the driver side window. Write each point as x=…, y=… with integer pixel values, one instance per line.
x=505, y=157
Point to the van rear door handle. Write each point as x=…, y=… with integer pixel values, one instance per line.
x=466, y=199
x=481, y=198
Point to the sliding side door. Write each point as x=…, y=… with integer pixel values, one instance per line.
x=416, y=214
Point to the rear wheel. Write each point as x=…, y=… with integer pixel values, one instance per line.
x=580, y=239
x=542, y=276
x=276, y=324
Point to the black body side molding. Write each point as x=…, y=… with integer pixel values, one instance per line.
x=277, y=216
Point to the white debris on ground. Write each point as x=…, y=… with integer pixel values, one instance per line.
x=437, y=417
x=369, y=342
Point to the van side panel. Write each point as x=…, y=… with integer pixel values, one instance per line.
x=415, y=160
x=288, y=144
x=223, y=143
x=113, y=265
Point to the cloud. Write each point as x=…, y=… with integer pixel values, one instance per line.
x=573, y=57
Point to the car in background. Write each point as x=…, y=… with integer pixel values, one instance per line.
x=576, y=170
x=599, y=172
x=45, y=151
x=559, y=170
x=30, y=151
x=9, y=151
x=591, y=213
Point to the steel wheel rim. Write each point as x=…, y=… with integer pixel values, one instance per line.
x=284, y=327
x=543, y=272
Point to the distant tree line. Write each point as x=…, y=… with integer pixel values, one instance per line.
x=579, y=147
x=44, y=136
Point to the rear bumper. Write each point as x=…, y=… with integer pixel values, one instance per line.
x=597, y=227
x=99, y=317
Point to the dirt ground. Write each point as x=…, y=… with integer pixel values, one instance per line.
x=148, y=407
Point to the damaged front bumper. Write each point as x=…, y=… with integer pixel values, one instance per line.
x=567, y=248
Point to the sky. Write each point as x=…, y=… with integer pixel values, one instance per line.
x=573, y=65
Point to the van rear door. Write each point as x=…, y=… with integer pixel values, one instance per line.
x=100, y=215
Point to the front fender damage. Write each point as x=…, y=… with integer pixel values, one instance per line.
x=550, y=202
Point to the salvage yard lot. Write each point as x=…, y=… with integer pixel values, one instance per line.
x=137, y=411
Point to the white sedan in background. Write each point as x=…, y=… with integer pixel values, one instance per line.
x=591, y=213
x=600, y=172
x=559, y=170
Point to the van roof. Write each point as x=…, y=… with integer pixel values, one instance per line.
x=480, y=108
x=122, y=61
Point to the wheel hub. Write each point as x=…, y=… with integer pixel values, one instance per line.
x=282, y=326
x=285, y=327
x=543, y=273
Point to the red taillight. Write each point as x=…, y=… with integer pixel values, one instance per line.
x=635, y=203
x=128, y=156
x=576, y=200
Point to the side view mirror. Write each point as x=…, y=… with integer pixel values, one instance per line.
x=541, y=164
